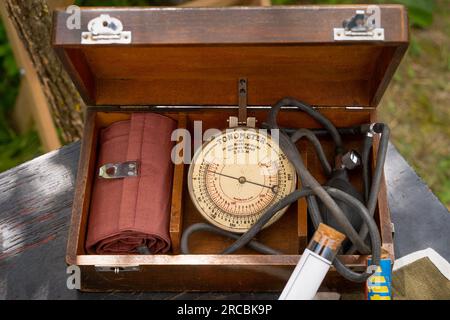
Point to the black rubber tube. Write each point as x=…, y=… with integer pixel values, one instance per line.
x=377, y=177
x=311, y=190
x=365, y=157
x=247, y=238
x=299, y=134
x=374, y=238
x=205, y=227
x=308, y=180
x=312, y=202
x=257, y=227
x=290, y=102
x=355, y=130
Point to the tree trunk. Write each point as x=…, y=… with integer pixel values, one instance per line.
x=33, y=21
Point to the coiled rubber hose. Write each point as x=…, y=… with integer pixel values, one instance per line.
x=311, y=190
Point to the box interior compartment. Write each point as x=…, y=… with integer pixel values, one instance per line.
x=289, y=235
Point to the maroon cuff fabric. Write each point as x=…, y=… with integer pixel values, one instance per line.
x=134, y=212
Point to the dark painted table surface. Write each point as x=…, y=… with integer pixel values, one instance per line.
x=35, y=208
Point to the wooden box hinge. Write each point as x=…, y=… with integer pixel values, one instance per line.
x=138, y=107
x=106, y=30
x=365, y=25
x=117, y=269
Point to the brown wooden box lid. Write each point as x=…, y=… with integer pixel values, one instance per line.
x=195, y=56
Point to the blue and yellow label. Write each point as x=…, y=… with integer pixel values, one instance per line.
x=379, y=284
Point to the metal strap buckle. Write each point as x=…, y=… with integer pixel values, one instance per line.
x=122, y=170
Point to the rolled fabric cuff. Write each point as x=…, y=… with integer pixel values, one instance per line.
x=130, y=213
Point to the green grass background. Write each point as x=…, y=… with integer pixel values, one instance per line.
x=416, y=105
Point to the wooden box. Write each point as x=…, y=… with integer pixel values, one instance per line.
x=186, y=63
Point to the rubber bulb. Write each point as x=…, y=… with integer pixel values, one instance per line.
x=339, y=180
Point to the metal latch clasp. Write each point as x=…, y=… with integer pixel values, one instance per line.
x=106, y=30
x=364, y=25
x=127, y=169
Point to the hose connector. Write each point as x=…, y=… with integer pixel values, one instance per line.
x=351, y=160
x=371, y=132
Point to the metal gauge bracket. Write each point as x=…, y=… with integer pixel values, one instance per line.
x=242, y=119
x=122, y=170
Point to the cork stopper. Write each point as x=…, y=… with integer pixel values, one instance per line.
x=328, y=237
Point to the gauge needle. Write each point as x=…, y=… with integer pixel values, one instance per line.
x=243, y=180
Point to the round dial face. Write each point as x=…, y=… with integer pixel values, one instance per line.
x=237, y=176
